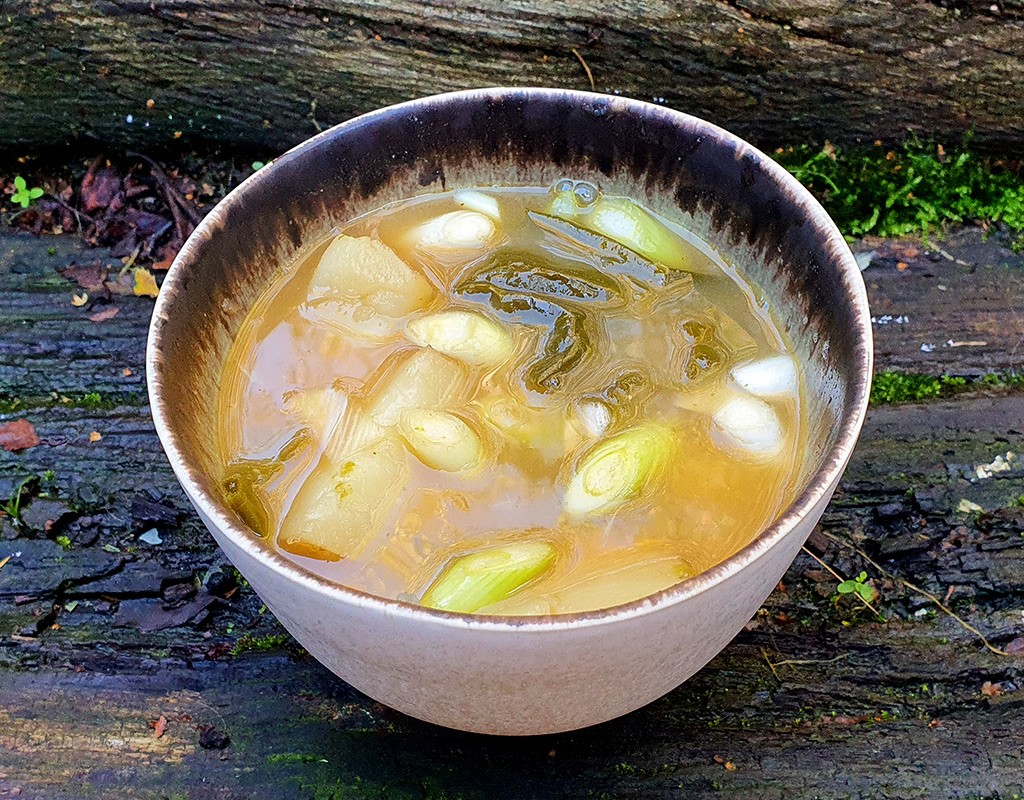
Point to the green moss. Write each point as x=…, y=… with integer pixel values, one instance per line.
x=277, y=759
x=261, y=644
x=892, y=387
x=10, y=403
x=915, y=188
x=899, y=387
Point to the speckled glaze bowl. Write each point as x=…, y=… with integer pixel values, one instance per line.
x=492, y=674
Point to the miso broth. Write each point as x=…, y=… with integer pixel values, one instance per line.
x=527, y=400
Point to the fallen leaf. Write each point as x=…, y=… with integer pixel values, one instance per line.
x=730, y=766
x=100, y=187
x=88, y=276
x=902, y=265
x=18, y=435
x=105, y=314
x=149, y=104
x=95, y=436
x=719, y=760
x=990, y=689
x=145, y=283
x=127, y=372
x=935, y=723
x=159, y=726
x=123, y=283
x=79, y=300
x=1016, y=646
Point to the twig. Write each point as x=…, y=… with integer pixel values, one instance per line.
x=173, y=198
x=590, y=75
x=79, y=215
x=793, y=662
x=841, y=579
x=948, y=257
x=4, y=560
x=942, y=606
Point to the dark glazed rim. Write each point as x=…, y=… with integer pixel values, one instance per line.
x=822, y=480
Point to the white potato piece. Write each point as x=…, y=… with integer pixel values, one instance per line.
x=422, y=378
x=359, y=272
x=352, y=319
x=441, y=440
x=344, y=503
x=747, y=428
x=456, y=230
x=339, y=422
x=465, y=335
x=594, y=417
x=478, y=201
x=773, y=377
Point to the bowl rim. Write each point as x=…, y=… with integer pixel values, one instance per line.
x=819, y=487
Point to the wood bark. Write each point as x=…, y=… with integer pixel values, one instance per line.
x=104, y=633
x=269, y=73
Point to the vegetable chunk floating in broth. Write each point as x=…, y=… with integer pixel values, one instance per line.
x=511, y=401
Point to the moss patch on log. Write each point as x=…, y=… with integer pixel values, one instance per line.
x=915, y=188
x=893, y=387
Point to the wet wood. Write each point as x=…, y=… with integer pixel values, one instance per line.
x=102, y=633
x=269, y=73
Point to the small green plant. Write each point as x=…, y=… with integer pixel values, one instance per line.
x=64, y=542
x=12, y=507
x=24, y=196
x=859, y=586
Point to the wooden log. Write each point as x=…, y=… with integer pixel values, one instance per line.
x=104, y=633
x=269, y=73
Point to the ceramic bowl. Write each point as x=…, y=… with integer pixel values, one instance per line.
x=493, y=674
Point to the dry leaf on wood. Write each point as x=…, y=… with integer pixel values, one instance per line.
x=18, y=435
x=105, y=314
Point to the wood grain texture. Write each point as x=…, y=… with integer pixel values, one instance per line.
x=269, y=73
x=814, y=699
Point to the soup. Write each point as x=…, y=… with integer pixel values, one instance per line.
x=518, y=400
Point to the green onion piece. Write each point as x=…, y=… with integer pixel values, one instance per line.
x=441, y=440
x=464, y=335
x=470, y=582
x=618, y=470
x=627, y=223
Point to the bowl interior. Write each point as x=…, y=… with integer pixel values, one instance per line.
x=714, y=184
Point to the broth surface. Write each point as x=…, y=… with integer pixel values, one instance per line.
x=616, y=423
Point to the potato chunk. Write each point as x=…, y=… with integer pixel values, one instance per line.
x=748, y=428
x=362, y=287
x=457, y=230
x=420, y=378
x=344, y=503
x=775, y=376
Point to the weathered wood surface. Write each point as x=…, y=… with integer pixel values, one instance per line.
x=814, y=700
x=269, y=73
